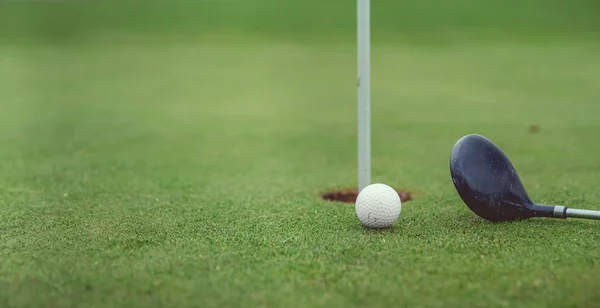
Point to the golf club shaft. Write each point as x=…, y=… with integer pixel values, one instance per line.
x=565, y=212
x=575, y=213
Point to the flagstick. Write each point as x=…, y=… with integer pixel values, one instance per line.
x=364, y=93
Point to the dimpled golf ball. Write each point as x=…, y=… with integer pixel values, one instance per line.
x=378, y=206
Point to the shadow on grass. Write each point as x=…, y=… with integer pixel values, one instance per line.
x=384, y=231
x=466, y=221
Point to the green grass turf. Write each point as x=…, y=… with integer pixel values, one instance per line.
x=188, y=174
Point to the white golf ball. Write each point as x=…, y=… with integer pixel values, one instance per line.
x=378, y=206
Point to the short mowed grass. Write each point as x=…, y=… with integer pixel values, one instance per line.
x=160, y=159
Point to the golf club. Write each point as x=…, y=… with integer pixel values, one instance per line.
x=489, y=185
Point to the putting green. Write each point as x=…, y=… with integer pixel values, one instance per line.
x=146, y=170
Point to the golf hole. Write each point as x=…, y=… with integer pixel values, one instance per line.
x=350, y=195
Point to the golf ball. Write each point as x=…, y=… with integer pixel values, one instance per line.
x=378, y=206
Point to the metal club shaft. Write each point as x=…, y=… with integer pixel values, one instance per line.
x=575, y=213
x=565, y=212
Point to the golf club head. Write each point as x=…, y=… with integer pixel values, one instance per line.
x=487, y=182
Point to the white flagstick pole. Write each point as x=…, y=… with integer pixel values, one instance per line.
x=364, y=94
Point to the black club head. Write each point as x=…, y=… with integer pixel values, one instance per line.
x=487, y=182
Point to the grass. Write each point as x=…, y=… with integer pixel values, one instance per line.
x=138, y=173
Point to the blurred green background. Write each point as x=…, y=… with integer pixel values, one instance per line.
x=292, y=20
x=172, y=153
